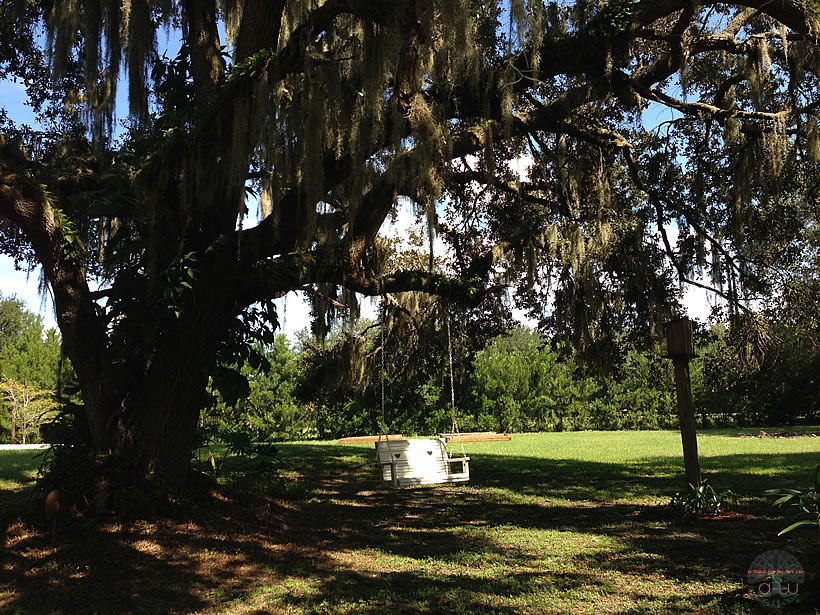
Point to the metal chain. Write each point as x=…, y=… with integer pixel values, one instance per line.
x=383, y=425
x=381, y=375
x=453, y=393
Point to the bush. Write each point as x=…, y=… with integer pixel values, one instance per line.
x=700, y=501
x=808, y=515
x=807, y=503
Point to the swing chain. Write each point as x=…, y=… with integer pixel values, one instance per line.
x=382, y=421
x=453, y=394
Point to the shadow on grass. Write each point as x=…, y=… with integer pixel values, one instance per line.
x=748, y=475
x=18, y=469
x=18, y=465
x=526, y=535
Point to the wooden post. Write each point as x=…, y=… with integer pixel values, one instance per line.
x=680, y=348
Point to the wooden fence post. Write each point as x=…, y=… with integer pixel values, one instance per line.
x=680, y=348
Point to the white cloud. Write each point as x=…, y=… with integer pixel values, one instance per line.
x=698, y=302
x=521, y=166
x=407, y=222
x=293, y=312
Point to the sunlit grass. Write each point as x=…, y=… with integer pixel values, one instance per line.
x=626, y=446
x=18, y=471
x=18, y=467
x=547, y=524
x=542, y=526
x=630, y=466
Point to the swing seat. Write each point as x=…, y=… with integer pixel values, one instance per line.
x=419, y=462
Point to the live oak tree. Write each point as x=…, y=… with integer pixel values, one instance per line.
x=333, y=110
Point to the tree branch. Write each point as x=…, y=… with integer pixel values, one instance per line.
x=203, y=43
x=656, y=200
x=27, y=204
x=700, y=108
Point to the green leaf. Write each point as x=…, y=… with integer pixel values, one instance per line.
x=782, y=491
x=783, y=500
x=798, y=524
x=232, y=385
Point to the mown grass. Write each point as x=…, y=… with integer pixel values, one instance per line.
x=646, y=468
x=18, y=470
x=550, y=523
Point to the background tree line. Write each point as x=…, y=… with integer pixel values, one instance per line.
x=506, y=377
x=29, y=372
x=511, y=378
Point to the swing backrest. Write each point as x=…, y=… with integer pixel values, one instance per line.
x=419, y=462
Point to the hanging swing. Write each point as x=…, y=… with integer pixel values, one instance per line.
x=420, y=461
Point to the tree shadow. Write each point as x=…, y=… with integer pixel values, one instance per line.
x=526, y=535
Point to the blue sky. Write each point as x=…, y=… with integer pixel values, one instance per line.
x=12, y=282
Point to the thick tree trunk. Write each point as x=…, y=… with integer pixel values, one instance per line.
x=158, y=432
x=26, y=204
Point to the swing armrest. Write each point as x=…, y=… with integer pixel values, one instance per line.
x=392, y=463
x=465, y=466
x=464, y=461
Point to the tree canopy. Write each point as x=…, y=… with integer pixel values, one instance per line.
x=333, y=112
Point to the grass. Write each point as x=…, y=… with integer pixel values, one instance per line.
x=18, y=470
x=550, y=523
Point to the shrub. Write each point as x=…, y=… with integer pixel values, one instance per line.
x=700, y=501
x=807, y=503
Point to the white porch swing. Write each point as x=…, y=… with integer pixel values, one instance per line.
x=420, y=461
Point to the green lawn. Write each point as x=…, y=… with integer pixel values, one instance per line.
x=550, y=523
x=18, y=470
